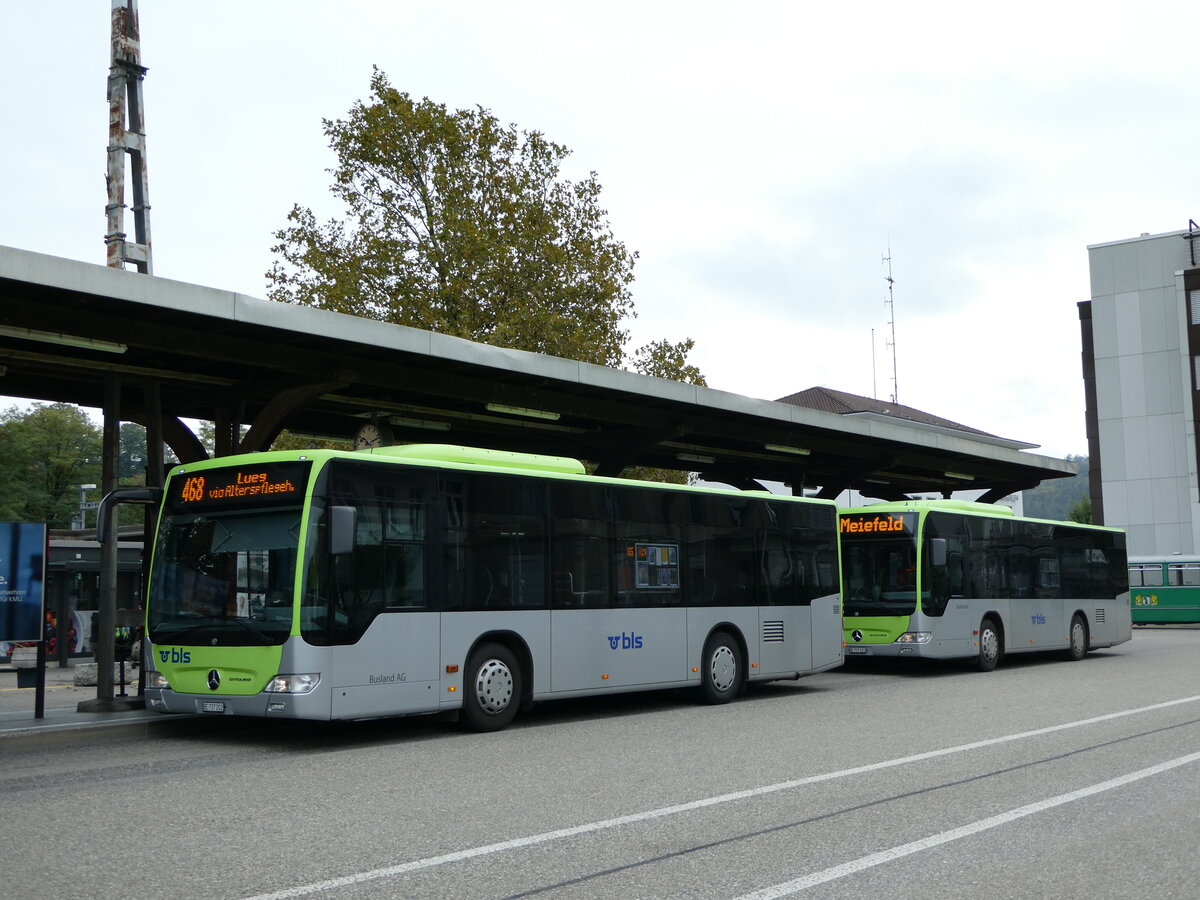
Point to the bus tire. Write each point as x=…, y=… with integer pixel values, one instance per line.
x=990, y=646
x=1077, y=646
x=721, y=670
x=492, y=688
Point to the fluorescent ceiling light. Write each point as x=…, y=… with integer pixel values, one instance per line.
x=523, y=411
x=959, y=475
x=694, y=457
x=427, y=424
x=64, y=340
x=783, y=448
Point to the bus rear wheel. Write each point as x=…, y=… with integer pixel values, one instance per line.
x=990, y=647
x=721, y=669
x=492, y=688
x=1077, y=647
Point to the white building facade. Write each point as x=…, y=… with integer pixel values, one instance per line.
x=1141, y=366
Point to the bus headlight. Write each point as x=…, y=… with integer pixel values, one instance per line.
x=157, y=681
x=915, y=637
x=292, y=684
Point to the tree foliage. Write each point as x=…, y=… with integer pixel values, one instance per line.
x=662, y=359
x=48, y=451
x=45, y=453
x=1081, y=511
x=286, y=440
x=460, y=225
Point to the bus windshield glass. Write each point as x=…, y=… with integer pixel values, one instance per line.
x=879, y=564
x=225, y=560
x=224, y=578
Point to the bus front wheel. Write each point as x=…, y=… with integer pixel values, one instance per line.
x=492, y=689
x=721, y=669
x=989, y=646
x=1077, y=648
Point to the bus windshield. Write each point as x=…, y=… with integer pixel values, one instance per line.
x=879, y=565
x=224, y=577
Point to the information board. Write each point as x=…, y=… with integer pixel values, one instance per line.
x=22, y=581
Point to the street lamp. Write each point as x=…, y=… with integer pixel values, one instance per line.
x=80, y=523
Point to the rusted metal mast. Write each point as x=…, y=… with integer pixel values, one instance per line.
x=127, y=135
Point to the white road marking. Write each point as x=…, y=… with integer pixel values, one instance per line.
x=429, y=862
x=795, y=886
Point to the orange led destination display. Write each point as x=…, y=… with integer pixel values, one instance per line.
x=240, y=486
x=877, y=523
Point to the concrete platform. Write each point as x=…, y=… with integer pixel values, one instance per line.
x=63, y=719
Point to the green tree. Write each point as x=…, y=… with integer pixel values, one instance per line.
x=288, y=441
x=45, y=452
x=1081, y=511
x=460, y=225
x=663, y=359
x=132, y=464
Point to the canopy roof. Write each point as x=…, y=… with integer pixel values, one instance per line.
x=69, y=328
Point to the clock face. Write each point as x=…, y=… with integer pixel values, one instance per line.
x=371, y=435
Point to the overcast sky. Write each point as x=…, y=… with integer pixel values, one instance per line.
x=761, y=158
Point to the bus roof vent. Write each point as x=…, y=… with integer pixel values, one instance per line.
x=480, y=456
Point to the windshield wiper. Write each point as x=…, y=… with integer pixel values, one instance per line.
x=212, y=625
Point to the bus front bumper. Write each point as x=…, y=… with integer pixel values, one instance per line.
x=261, y=705
x=888, y=650
x=912, y=650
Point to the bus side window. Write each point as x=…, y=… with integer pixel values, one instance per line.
x=1189, y=573
x=947, y=557
x=646, y=547
x=1146, y=575
x=579, y=542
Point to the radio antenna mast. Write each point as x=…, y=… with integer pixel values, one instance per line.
x=891, y=305
x=127, y=137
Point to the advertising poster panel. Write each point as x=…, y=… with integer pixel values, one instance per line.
x=22, y=581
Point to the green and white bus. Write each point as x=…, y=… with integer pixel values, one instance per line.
x=1164, y=589
x=945, y=579
x=425, y=578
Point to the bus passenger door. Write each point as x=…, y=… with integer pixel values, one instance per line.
x=392, y=669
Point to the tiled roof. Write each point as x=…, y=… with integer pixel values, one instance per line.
x=828, y=400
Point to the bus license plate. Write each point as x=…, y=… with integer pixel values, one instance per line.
x=213, y=706
x=856, y=649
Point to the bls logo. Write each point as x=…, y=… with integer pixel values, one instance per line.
x=175, y=655
x=1038, y=619
x=623, y=641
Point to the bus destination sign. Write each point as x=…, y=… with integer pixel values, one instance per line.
x=239, y=486
x=876, y=523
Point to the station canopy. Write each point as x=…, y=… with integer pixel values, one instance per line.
x=171, y=351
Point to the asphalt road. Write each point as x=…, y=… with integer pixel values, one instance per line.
x=1044, y=778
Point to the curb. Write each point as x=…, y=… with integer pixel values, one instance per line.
x=59, y=733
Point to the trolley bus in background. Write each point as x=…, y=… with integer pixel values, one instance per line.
x=945, y=579
x=424, y=578
x=1164, y=589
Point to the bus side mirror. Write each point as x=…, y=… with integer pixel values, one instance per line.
x=937, y=551
x=108, y=505
x=341, y=526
